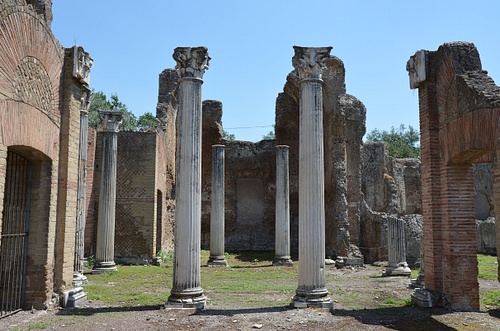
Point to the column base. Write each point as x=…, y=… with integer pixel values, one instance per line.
x=73, y=298
x=79, y=279
x=422, y=297
x=282, y=261
x=102, y=267
x=397, y=270
x=312, y=299
x=217, y=261
x=193, y=298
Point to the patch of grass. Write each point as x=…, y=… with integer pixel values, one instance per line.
x=38, y=326
x=414, y=273
x=490, y=298
x=488, y=266
x=131, y=286
x=393, y=302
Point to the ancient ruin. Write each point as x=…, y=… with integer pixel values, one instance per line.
x=345, y=199
x=459, y=111
x=42, y=88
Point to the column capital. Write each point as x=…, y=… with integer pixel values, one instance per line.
x=82, y=63
x=309, y=61
x=110, y=120
x=191, y=61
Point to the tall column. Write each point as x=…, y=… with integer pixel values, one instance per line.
x=186, y=289
x=311, y=291
x=282, y=235
x=105, y=246
x=81, y=198
x=396, y=243
x=217, y=258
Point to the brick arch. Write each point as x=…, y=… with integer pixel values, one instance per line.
x=27, y=41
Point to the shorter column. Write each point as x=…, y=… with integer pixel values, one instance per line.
x=217, y=258
x=105, y=245
x=396, y=243
x=282, y=235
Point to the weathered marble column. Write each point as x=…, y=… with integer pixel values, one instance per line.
x=282, y=230
x=396, y=247
x=105, y=246
x=217, y=258
x=311, y=291
x=78, y=277
x=186, y=289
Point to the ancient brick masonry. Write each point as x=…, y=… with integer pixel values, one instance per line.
x=459, y=112
x=40, y=102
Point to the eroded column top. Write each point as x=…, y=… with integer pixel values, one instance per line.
x=110, y=120
x=191, y=61
x=309, y=61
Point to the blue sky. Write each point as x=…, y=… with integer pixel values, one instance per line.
x=250, y=43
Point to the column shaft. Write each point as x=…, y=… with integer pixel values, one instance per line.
x=217, y=258
x=186, y=290
x=78, y=277
x=311, y=291
x=105, y=246
x=282, y=230
x=396, y=249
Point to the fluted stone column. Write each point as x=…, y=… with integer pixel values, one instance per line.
x=396, y=246
x=78, y=277
x=105, y=246
x=186, y=289
x=311, y=291
x=282, y=231
x=217, y=258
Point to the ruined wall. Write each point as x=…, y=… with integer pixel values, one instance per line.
x=250, y=195
x=136, y=194
x=459, y=109
x=40, y=103
x=166, y=113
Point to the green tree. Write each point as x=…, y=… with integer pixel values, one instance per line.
x=228, y=136
x=99, y=101
x=146, y=121
x=401, y=142
x=270, y=135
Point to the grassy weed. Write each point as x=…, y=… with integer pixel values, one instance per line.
x=488, y=266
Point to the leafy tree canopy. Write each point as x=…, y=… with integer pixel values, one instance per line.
x=146, y=121
x=99, y=101
x=228, y=136
x=402, y=142
x=270, y=135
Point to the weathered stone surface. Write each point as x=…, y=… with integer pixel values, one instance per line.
x=483, y=185
x=486, y=236
x=413, y=230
